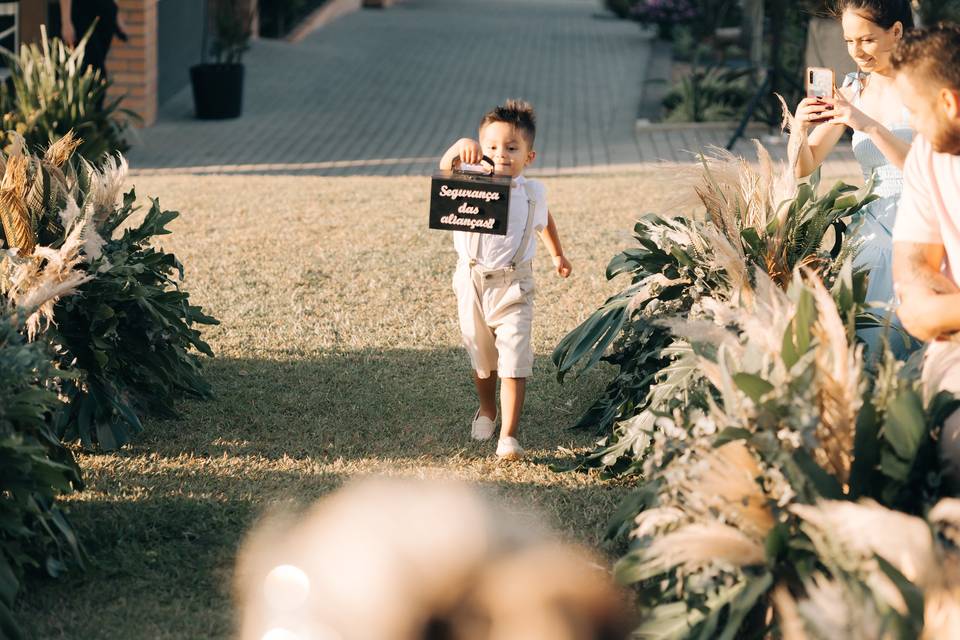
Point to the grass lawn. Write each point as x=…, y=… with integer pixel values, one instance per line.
x=338, y=356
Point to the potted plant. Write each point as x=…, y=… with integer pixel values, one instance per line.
x=218, y=84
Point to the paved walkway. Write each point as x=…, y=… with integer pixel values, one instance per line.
x=384, y=92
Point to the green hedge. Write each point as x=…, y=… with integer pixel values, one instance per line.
x=34, y=469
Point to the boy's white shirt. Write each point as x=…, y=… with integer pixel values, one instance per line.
x=495, y=252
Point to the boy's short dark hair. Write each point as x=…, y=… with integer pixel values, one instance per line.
x=518, y=113
x=934, y=52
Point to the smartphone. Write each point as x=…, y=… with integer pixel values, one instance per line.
x=820, y=82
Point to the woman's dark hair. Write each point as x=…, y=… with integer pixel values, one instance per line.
x=884, y=13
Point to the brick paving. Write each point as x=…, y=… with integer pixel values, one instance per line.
x=384, y=92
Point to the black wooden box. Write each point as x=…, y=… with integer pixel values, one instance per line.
x=469, y=202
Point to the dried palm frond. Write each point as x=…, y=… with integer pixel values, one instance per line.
x=849, y=534
x=727, y=190
x=18, y=231
x=62, y=150
x=729, y=256
x=712, y=514
x=725, y=482
x=794, y=144
x=36, y=282
x=47, y=188
x=106, y=186
x=831, y=611
x=696, y=545
x=766, y=321
x=657, y=520
x=762, y=317
x=70, y=213
x=93, y=242
x=49, y=183
x=736, y=194
x=36, y=198
x=15, y=175
x=848, y=538
x=839, y=385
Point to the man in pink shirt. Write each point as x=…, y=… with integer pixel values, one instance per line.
x=926, y=236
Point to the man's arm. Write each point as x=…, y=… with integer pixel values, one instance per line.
x=929, y=301
x=551, y=238
x=919, y=265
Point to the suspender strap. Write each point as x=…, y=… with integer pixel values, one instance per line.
x=474, y=238
x=525, y=240
x=473, y=247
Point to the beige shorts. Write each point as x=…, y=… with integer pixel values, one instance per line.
x=941, y=372
x=496, y=317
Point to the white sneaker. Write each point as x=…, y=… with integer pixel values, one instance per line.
x=482, y=427
x=509, y=449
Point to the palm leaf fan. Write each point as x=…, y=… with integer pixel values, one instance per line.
x=17, y=228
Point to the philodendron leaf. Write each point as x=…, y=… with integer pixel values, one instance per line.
x=730, y=434
x=911, y=593
x=754, y=386
x=745, y=601
x=905, y=424
x=799, y=333
x=845, y=202
x=622, y=519
x=893, y=467
x=825, y=484
x=866, y=450
x=752, y=240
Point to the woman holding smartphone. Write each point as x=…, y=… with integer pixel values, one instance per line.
x=869, y=105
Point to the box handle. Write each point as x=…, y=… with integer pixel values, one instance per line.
x=483, y=159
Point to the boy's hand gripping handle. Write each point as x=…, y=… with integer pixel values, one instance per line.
x=460, y=168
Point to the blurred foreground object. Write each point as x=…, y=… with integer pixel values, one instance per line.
x=401, y=559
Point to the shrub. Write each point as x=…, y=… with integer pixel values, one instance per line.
x=787, y=484
x=233, y=26
x=800, y=479
x=706, y=95
x=754, y=218
x=130, y=333
x=50, y=94
x=34, y=469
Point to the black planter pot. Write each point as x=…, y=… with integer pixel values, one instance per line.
x=217, y=90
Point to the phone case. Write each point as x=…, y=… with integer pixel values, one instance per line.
x=819, y=82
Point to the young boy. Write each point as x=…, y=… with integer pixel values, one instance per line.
x=494, y=276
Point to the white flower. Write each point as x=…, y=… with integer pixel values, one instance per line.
x=789, y=437
x=670, y=428
x=777, y=486
x=704, y=426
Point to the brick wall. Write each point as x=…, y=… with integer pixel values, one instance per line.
x=33, y=13
x=132, y=65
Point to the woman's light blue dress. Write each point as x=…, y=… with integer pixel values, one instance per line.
x=874, y=224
